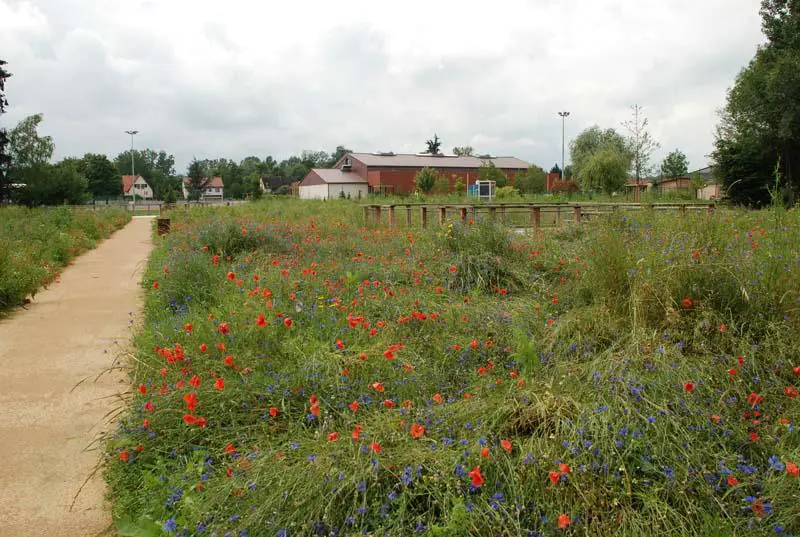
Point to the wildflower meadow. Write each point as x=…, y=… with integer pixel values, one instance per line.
x=35, y=244
x=299, y=374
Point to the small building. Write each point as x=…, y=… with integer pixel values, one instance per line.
x=710, y=192
x=271, y=184
x=136, y=185
x=677, y=184
x=390, y=173
x=213, y=188
x=331, y=183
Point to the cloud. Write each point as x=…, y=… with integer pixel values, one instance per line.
x=235, y=78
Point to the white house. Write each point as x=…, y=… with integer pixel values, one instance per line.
x=324, y=183
x=138, y=185
x=213, y=189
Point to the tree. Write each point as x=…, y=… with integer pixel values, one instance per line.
x=198, y=179
x=489, y=172
x=425, y=180
x=606, y=169
x=5, y=157
x=759, y=130
x=556, y=169
x=48, y=184
x=568, y=173
x=532, y=181
x=156, y=167
x=28, y=149
x=434, y=145
x=337, y=155
x=675, y=165
x=640, y=144
x=463, y=151
x=101, y=174
x=588, y=142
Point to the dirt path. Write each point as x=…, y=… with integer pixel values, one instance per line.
x=71, y=331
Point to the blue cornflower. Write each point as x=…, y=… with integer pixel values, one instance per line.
x=170, y=525
x=361, y=487
x=460, y=471
x=651, y=419
x=407, y=477
x=779, y=529
x=420, y=527
x=601, y=408
x=776, y=464
x=283, y=533
x=294, y=445
x=350, y=520
x=392, y=496
x=669, y=472
x=311, y=458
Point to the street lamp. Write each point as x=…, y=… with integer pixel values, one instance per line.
x=133, y=173
x=564, y=116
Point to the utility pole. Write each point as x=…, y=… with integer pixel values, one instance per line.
x=564, y=116
x=133, y=172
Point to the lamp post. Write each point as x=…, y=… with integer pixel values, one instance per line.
x=564, y=116
x=133, y=172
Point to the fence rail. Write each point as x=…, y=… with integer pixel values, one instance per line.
x=151, y=207
x=532, y=215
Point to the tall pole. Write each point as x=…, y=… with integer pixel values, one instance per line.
x=133, y=172
x=564, y=116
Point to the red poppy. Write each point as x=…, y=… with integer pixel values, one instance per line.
x=228, y=361
x=417, y=430
x=261, y=320
x=792, y=470
x=314, y=409
x=753, y=436
x=797, y=370
x=191, y=400
x=194, y=381
x=201, y=422
x=230, y=448
x=231, y=276
x=484, y=452
x=389, y=355
x=732, y=481
x=224, y=328
x=188, y=419
x=740, y=359
x=203, y=347
x=790, y=392
x=388, y=403
x=688, y=387
x=474, y=344
x=123, y=455
x=356, y=433
x=188, y=328
x=376, y=448
x=362, y=356
x=687, y=302
x=715, y=418
x=142, y=389
x=146, y=423
x=287, y=322
x=554, y=477
x=333, y=437
x=564, y=521
x=754, y=399
x=564, y=468
x=477, y=478
x=378, y=387
x=219, y=384
x=453, y=269
x=506, y=445
x=437, y=398
x=353, y=406
x=723, y=328
x=340, y=344
x=273, y=411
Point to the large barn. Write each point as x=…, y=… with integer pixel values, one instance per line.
x=394, y=173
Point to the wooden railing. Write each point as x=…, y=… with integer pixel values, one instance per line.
x=534, y=215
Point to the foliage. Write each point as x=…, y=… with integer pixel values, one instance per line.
x=27, y=148
x=633, y=376
x=198, y=179
x=489, y=172
x=463, y=151
x=38, y=243
x=425, y=180
x=156, y=167
x=568, y=187
x=507, y=192
x=51, y=184
x=459, y=187
x=532, y=181
x=283, y=190
x=640, y=144
x=556, y=169
x=102, y=176
x=675, y=165
x=759, y=126
x=568, y=174
x=434, y=145
x=605, y=170
x=5, y=157
x=588, y=142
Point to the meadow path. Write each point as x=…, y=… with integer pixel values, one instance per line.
x=48, y=418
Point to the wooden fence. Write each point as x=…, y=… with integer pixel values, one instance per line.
x=531, y=215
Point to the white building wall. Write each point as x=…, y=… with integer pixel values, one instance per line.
x=354, y=189
x=314, y=192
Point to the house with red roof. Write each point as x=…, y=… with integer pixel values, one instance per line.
x=136, y=184
x=212, y=189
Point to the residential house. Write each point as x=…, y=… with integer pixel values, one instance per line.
x=271, y=184
x=212, y=190
x=136, y=185
x=394, y=173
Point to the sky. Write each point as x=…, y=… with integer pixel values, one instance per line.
x=210, y=79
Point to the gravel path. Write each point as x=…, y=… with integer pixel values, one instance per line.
x=49, y=418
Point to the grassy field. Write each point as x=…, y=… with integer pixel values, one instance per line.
x=298, y=374
x=35, y=244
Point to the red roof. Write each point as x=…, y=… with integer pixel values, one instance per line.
x=127, y=182
x=215, y=182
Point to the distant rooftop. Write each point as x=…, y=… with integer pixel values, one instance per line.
x=421, y=160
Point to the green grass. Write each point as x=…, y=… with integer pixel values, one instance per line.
x=571, y=346
x=35, y=244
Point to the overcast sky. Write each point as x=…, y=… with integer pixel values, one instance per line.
x=239, y=77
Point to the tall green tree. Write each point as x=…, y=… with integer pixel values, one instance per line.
x=606, y=169
x=51, y=184
x=640, y=143
x=28, y=148
x=102, y=176
x=434, y=145
x=759, y=128
x=532, y=181
x=591, y=140
x=5, y=157
x=675, y=165
x=463, y=151
x=337, y=155
x=198, y=179
x=425, y=180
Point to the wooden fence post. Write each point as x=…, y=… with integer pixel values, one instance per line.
x=682, y=209
x=492, y=211
x=576, y=213
x=710, y=209
x=474, y=214
x=424, y=214
x=536, y=217
x=366, y=215
x=463, y=211
x=392, y=222
x=558, y=215
x=503, y=214
x=442, y=215
x=377, y=214
x=408, y=215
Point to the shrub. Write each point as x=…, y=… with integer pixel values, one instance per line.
x=506, y=192
x=425, y=180
x=567, y=186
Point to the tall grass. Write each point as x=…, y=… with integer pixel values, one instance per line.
x=635, y=376
x=35, y=244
